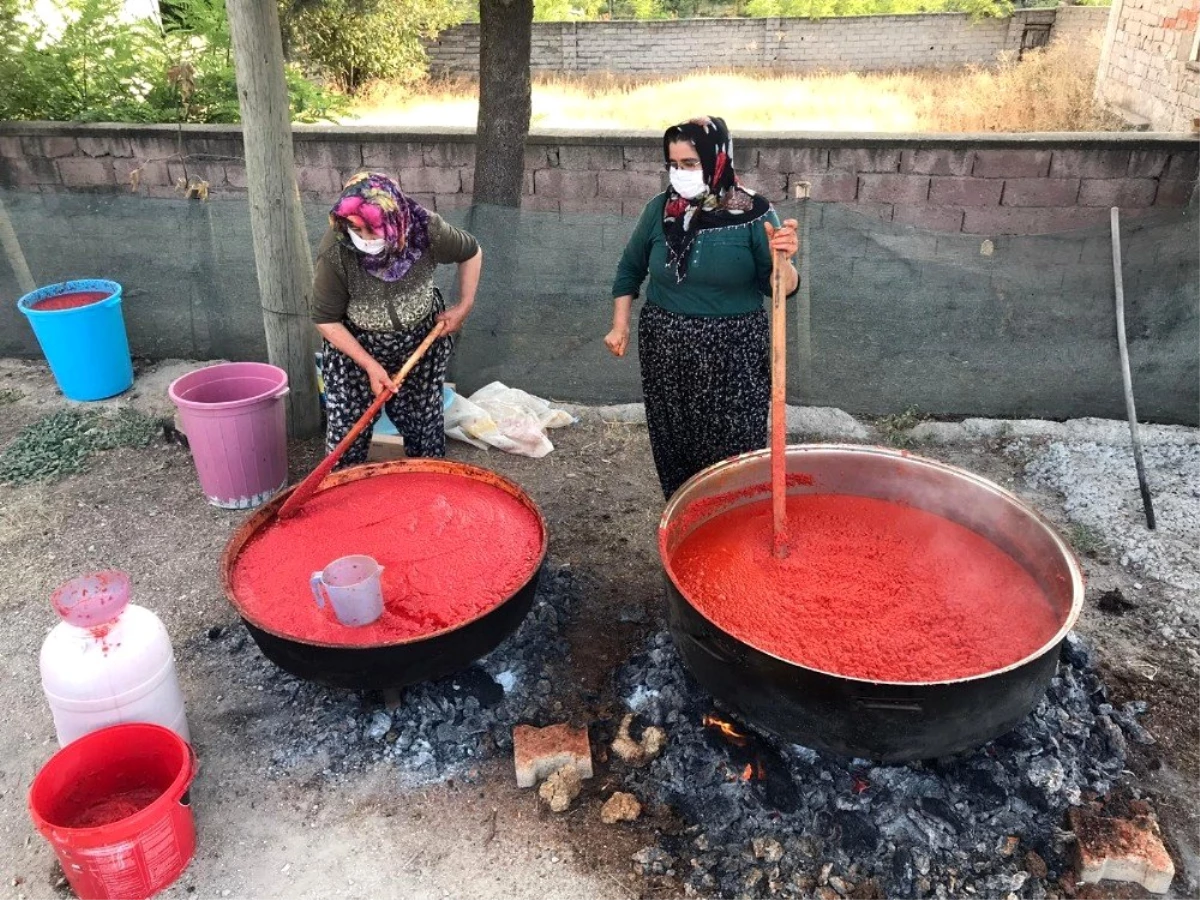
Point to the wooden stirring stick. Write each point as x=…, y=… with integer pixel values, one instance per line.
x=309, y=485
x=778, y=406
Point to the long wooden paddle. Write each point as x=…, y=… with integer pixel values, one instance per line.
x=778, y=406
x=305, y=489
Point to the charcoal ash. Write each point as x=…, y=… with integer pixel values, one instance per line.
x=435, y=731
x=987, y=823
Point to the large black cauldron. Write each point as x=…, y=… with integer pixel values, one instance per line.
x=885, y=721
x=402, y=663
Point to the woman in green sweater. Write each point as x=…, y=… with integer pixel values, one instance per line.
x=703, y=335
x=374, y=301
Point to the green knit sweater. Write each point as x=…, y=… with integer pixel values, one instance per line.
x=729, y=270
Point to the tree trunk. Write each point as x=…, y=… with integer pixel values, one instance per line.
x=505, y=33
x=281, y=252
x=505, y=103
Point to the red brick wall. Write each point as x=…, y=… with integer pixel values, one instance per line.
x=980, y=184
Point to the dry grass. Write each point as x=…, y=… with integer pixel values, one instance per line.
x=1050, y=90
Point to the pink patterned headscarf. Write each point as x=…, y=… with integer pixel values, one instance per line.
x=374, y=201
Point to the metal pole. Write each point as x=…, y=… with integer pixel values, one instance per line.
x=1126, y=377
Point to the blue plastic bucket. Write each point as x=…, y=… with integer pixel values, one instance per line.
x=86, y=346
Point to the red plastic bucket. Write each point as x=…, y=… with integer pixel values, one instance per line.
x=113, y=805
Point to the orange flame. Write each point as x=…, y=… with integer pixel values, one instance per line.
x=748, y=772
x=734, y=736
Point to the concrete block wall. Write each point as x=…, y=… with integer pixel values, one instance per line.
x=872, y=43
x=855, y=43
x=1080, y=24
x=982, y=186
x=976, y=184
x=670, y=46
x=1146, y=69
x=910, y=305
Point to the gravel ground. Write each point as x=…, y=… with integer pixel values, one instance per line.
x=268, y=830
x=1100, y=492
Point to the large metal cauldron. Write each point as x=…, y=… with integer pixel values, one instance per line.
x=886, y=721
x=401, y=663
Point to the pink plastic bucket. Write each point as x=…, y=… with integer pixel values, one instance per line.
x=236, y=425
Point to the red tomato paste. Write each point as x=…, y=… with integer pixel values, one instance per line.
x=73, y=300
x=870, y=589
x=96, y=812
x=451, y=548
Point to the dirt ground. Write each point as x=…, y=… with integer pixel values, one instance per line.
x=140, y=510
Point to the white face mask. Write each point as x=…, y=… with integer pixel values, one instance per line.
x=689, y=184
x=371, y=248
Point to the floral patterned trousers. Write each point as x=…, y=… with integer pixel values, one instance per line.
x=707, y=385
x=416, y=409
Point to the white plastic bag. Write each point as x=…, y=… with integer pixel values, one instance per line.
x=505, y=418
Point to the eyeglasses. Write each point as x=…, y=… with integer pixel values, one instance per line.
x=688, y=165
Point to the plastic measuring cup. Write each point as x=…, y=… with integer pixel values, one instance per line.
x=91, y=600
x=351, y=585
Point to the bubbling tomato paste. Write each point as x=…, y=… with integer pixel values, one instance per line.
x=72, y=300
x=869, y=589
x=451, y=548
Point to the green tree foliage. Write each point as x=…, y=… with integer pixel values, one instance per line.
x=648, y=9
x=354, y=41
x=102, y=68
x=92, y=67
x=654, y=9
x=567, y=10
x=197, y=51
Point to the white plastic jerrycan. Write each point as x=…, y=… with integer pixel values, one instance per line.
x=109, y=661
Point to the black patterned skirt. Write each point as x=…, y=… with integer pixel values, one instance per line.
x=707, y=386
x=416, y=409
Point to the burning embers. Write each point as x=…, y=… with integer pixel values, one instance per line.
x=737, y=739
x=730, y=733
x=973, y=821
x=754, y=760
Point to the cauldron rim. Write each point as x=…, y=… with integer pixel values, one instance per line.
x=673, y=508
x=265, y=513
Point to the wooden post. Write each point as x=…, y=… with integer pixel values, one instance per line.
x=281, y=252
x=12, y=251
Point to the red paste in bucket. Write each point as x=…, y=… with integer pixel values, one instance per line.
x=870, y=589
x=451, y=547
x=72, y=300
x=98, y=812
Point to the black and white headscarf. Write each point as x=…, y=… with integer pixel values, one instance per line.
x=724, y=203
